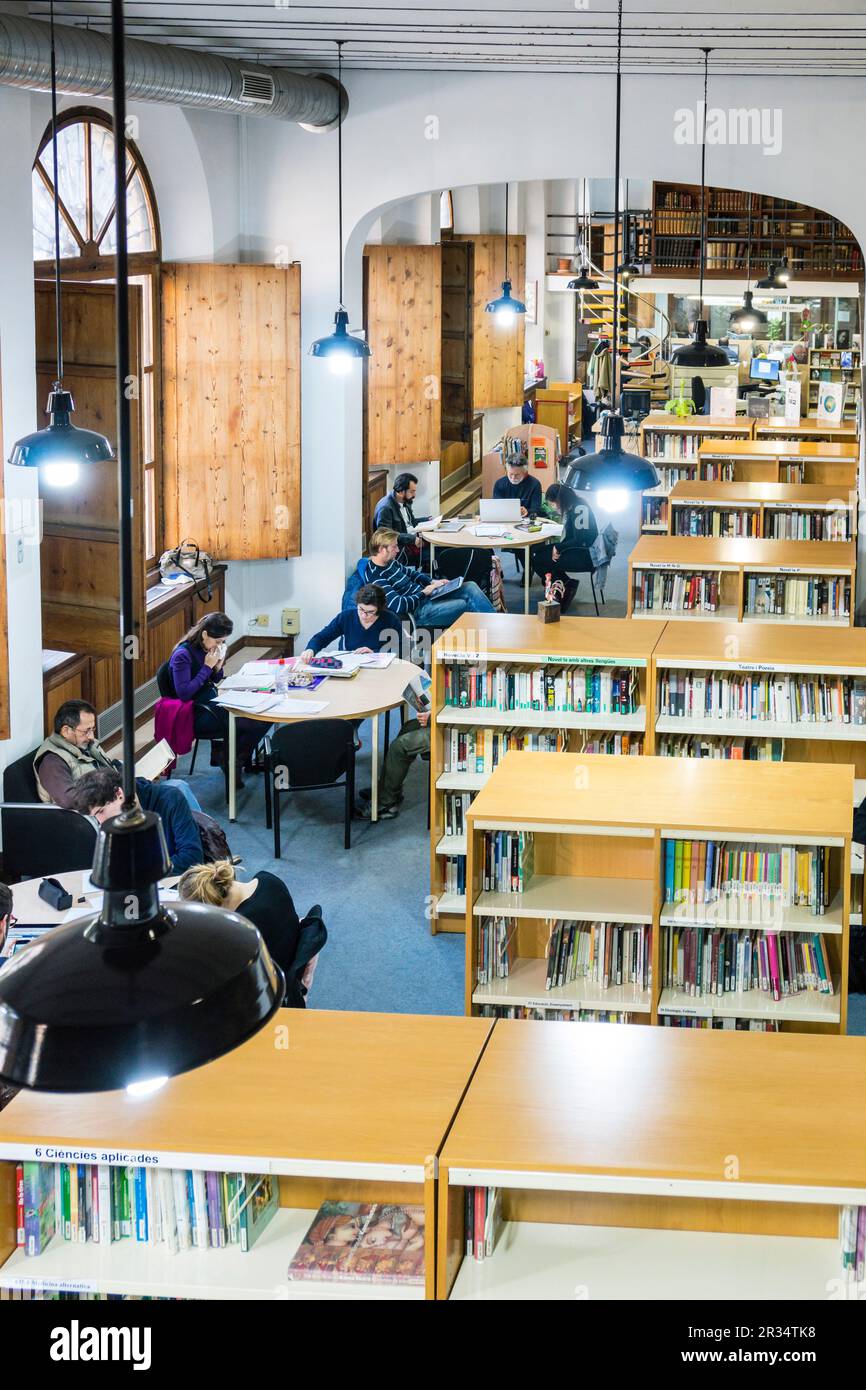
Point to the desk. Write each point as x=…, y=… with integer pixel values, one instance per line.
x=30, y=910
x=511, y=540
x=365, y=696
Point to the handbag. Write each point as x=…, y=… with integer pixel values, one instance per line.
x=188, y=562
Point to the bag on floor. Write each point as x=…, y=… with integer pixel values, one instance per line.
x=214, y=844
x=497, y=592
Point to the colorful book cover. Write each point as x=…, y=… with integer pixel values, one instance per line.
x=368, y=1241
x=259, y=1199
x=39, y=1210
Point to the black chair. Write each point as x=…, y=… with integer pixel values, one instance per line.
x=165, y=686
x=580, y=562
x=40, y=839
x=313, y=756
x=311, y=940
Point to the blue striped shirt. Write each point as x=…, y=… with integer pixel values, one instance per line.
x=403, y=585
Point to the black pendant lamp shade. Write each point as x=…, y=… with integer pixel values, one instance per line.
x=628, y=271
x=700, y=353
x=776, y=278
x=505, y=306
x=612, y=468
x=583, y=281
x=140, y=991
x=340, y=348
x=61, y=449
x=747, y=319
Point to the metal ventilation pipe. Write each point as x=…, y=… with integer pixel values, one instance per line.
x=164, y=73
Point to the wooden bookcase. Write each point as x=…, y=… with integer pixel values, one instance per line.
x=785, y=461
x=655, y=1164
x=560, y=406
x=674, y=446
x=524, y=643
x=600, y=826
x=825, y=364
x=761, y=508
x=734, y=563
x=349, y=1106
x=814, y=430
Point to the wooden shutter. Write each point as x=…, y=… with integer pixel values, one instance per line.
x=80, y=544
x=6, y=447
x=498, y=353
x=403, y=376
x=232, y=409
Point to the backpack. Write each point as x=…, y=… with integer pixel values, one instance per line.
x=213, y=838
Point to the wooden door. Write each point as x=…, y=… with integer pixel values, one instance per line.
x=498, y=366
x=403, y=376
x=80, y=545
x=231, y=353
x=457, y=297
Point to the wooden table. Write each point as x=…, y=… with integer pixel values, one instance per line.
x=29, y=910
x=365, y=696
x=512, y=539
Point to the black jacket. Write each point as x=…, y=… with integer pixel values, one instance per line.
x=527, y=493
x=576, y=537
x=388, y=514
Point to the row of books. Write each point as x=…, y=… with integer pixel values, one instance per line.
x=556, y=1015
x=715, y=521
x=775, y=696
x=482, y=1220
x=729, y=961
x=780, y=525
x=454, y=873
x=496, y=949
x=481, y=750
x=102, y=1203
x=675, y=591
x=62, y=1296
x=852, y=1239
x=580, y=689
x=732, y=1025
x=761, y=750
x=508, y=858
x=745, y=883
x=608, y=953
x=613, y=743
x=695, y=471
x=455, y=807
x=655, y=511
x=792, y=472
x=816, y=596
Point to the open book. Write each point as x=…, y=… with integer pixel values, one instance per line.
x=154, y=763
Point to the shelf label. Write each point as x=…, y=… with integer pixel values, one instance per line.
x=682, y=565
x=136, y=1158
x=54, y=1284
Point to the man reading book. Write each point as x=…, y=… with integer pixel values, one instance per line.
x=100, y=794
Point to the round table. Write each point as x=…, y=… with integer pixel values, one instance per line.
x=367, y=695
x=510, y=539
x=29, y=910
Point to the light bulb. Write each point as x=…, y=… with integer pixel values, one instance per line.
x=612, y=499
x=137, y=1089
x=505, y=317
x=340, y=363
x=60, y=474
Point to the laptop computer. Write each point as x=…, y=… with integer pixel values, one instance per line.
x=450, y=588
x=491, y=509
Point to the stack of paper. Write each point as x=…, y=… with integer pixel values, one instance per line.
x=379, y=661
x=248, y=701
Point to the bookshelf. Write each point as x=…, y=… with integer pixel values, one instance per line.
x=338, y=1105
x=674, y=446
x=600, y=834
x=485, y=642
x=826, y=364
x=609, y=1151
x=773, y=511
x=728, y=580
x=782, y=461
x=559, y=406
x=815, y=431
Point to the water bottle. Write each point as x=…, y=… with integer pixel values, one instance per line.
x=281, y=680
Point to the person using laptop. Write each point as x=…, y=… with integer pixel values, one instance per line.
x=409, y=590
x=520, y=485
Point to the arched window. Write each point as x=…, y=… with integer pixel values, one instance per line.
x=88, y=242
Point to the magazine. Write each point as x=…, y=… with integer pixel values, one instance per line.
x=417, y=694
x=372, y=1241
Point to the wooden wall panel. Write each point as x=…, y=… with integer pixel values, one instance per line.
x=404, y=327
x=497, y=353
x=232, y=409
x=5, y=449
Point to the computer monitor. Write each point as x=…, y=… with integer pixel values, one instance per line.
x=764, y=369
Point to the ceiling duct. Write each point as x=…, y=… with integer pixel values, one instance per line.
x=161, y=72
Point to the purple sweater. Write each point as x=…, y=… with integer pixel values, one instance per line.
x=192, y=679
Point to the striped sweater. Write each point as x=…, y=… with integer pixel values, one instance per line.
x=403, y=585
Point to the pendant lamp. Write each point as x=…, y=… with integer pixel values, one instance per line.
x=505, y=307
x=700, y=353
x=747, y=319
x=340, y=348
x=776, y=278
x=584, y=280
x=140, y=991
x=61, y=449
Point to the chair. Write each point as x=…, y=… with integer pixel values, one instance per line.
x=588, y=560
x=311, y=940
x=165, y=686
x=314, y=755
x=35, y=846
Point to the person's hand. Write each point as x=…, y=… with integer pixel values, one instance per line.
x=306, y=655
x=365, y=651
x=424, y=720
x=434, y=585
x=556, y=552
x=212, y=658
x=524, y=512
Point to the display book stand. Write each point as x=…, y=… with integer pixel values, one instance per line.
x=825, y=364
x=600, y=827
x=657, y=1164
x=522, y=644
x=732, y=564
x=345, y=1106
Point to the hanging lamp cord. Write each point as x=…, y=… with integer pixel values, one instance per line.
x=615, y=306
x=506, y=229
x=57, y=313
x=707, y=52
x=340, y=43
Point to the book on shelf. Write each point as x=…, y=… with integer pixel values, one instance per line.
x=507, y=859
x=717, y=522
x=612, y=743
x=803, y=525
x=733, y=1025
x=572, y=689
x=654, y=511
x=454, y=874
x=608, y=953
x=852, y=1241
x=495, y=949
x=482, y=1208
x=792, y=471
x=180, y=1208
x=455, y=806
x=557, y=1015
x=812, y=596
x=724, y=882
x=676, y=591
x=754, y=696
x=42, y=1295
x=374, y=1242
x=481, y=750
x=760, y=750
x=718, y=961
